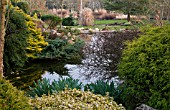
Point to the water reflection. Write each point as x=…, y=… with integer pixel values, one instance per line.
x=34, y=70
x=102, y=55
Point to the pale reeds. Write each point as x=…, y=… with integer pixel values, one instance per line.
x=87, y=18
x=103, y=14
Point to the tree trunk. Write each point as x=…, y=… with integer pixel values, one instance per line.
x=61, y=13
x=128, y=17
x=80, y=8
x=158, y=19
x=2, y=33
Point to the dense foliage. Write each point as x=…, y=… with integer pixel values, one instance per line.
x=128, y=6
x=51, y=20
x=75, y=99
x=36, y=12
x=44, y=87
x=36, y=41
x=145, y=68
x=14, y=2
x=63, y=44
x=69, y=21
x=24, y=6
x=11, y=98
x=61, y=49
x=15, y=40
x=22, y=39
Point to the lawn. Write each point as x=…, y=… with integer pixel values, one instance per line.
x=102, y=27
x=101, y=24
x=104, y=22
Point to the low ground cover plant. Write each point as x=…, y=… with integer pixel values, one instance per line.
x=104, y=88
x=44, y=87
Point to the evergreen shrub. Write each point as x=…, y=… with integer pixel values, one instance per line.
x=61, y=49
x=15, y=40
x=51, y=20
x=24, y=6
x=38, y=12
x=69, y=21
x=145, y=68
x=22, y=39
x=14, y=2
x=75, y=100
x=11, y=98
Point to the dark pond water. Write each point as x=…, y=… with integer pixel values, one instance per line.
x=101, y=55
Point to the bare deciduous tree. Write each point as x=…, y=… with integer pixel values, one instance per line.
x=37, y=5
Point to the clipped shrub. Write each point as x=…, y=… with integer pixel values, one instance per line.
x=51, y=20
x=24, y=6
x=11, y=98
x=75, y=99
x=44, y=87
x=69, y=21
x=145, y=68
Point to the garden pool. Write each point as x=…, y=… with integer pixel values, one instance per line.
x=101, y=56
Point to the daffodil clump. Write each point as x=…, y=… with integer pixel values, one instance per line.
x=73, y=99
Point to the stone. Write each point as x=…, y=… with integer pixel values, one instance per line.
x=144, y=107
